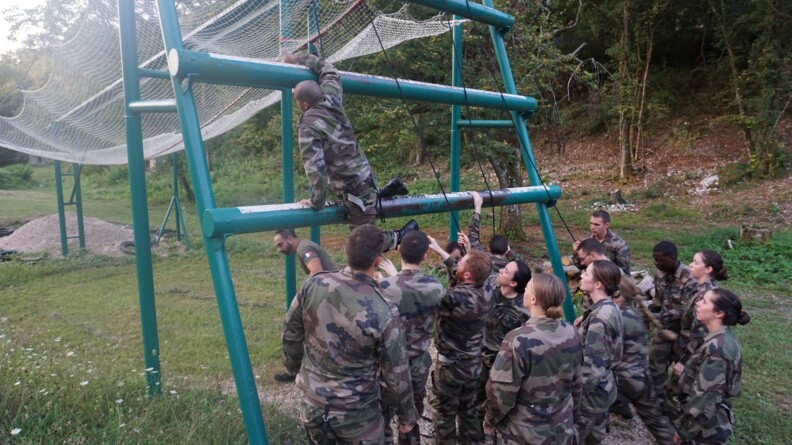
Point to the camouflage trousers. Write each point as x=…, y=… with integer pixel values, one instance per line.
x=363, y=426
x=453, y=397
x=367, y=214
x=640, y=392
x=661, y=354
x=592, y=427
x=487, y=359
x=419, y=374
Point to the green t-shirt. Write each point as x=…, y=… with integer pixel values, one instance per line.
x=308, y=250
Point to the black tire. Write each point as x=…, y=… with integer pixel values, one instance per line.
x=5, y=231
x=127, y=247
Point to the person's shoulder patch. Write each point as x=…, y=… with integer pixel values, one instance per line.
x=308, y=255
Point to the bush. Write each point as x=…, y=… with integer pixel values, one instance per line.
x=16, y=176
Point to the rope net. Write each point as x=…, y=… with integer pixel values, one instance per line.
x=78, y=115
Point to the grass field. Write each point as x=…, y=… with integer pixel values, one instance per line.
x=72, y=365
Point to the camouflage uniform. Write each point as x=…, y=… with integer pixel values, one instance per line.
x=417, y=297
x=602, y=331
x=634, y=381
x=693, y=331
x=507, y=315
x=712, y=378
x=308, y=250
x=672, y=294
x=459, y=339
x=342, y=337
x=535, y=387
x=616, y=250
x=474, y=235
x=330, y=153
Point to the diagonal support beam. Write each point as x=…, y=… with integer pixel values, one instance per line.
x=473, y=11
x=226, y=221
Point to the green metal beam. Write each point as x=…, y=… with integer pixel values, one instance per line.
x=226, y=70
x=287, y=167
x=473, y=11
x=531, y=168
x=137, y=180
x=225, y=221
x=153, y=106
x=468, y=123
x=456, y=133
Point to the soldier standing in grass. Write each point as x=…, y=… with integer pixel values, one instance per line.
x=534, y=389
x=330, y=153
x=345, y=342
x=713, y=376
x=602, y=331
x=632, y=372
x=615, y=247
x=674, y=288
x=459, y=338
x=417, y=297
x=312, y=257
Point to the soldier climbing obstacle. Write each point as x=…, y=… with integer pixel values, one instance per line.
x=330, y=153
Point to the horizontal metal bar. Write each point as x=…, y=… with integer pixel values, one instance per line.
x=155, y=74
x=229, y=70
x=225, y=221
x=470, y=10
x=153, y=106
x=485, y=123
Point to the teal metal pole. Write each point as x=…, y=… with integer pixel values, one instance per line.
x=61, y=210
x=226, y=70
x=77, y=199
x=530, y=166
x=287, y=166
x=456, y=132
x=137, y=180
x=225, y=221
x=468, y=123
x=473, y=11
x=175, y=168
x=215, y=246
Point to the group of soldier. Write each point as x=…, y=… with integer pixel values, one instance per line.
x=357, y=344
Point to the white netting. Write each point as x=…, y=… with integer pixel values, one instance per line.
x=78, y=115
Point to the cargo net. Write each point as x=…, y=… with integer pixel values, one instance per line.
x=78, y=115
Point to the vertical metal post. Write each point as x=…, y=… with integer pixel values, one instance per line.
x=137, y=180
x=456, y=132
x=175, y=162
x=77, y=200
x=215, y=246
x=530, y=166
x=287, y=166
x=313, y=27
x=61, y=210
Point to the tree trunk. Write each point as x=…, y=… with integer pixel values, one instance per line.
x=625, y=102
x=507, y=169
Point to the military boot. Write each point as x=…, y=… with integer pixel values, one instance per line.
x=393, y=237
x=394, y=187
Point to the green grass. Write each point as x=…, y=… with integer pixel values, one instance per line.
x=88, y=306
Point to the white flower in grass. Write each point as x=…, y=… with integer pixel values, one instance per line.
x=120, y=401
x=57, y=340
x=173, y=391
x=70, y=354
x=15, y=431
x=84, y=382
x=17, y=383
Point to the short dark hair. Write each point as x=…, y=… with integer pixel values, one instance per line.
x=666, y=248
x=479, y=265
x=453, y=245
x=413, y=247
x=591, y=245
x=286, y=233
x=715, y=261
x=602, y=214
x=729, y=304
x=363, y=246
x=308, y=91
x=521, y=276
x=498, y=245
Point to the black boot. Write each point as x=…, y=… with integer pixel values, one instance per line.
x=392, y=241
x=284, y=377
x=394, y=187
x=409, y=227
x=623, y=409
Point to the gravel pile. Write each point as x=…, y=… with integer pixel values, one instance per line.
x=43, y=235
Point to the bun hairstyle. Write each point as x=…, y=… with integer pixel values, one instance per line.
x=609, y=274
x=549, y=293
x=715, y=261
x=728, y=303
x=629, y=290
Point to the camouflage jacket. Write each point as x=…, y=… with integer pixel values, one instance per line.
x=507, y=315
x=308, y=250
x=330, y=153
x=616, y=250
x=535, y=385
x=459, y=330
x=602, y=331
x=634, y=362
x=693, y=331
x=474, y=235
x=417, y=297
x=342, y=337
x=672, y=295
x=712, y=378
